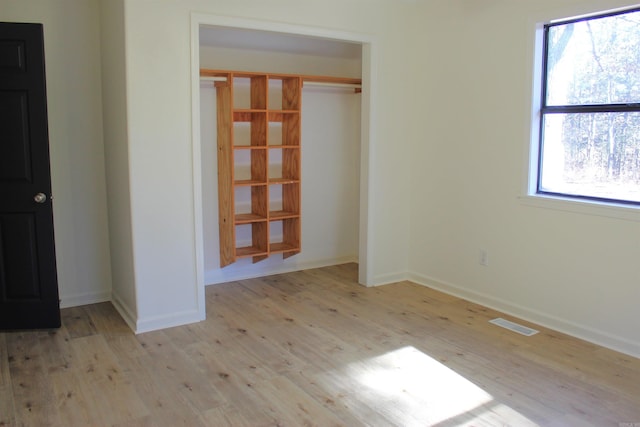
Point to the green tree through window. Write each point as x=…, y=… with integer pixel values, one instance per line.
x=590, y=127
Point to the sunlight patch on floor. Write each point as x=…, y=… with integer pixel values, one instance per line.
x=410, y=388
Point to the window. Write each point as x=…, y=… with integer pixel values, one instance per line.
x=590, y=109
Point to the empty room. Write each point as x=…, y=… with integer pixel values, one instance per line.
x=355, y=212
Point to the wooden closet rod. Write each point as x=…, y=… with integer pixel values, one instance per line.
x=357, y=87
x=222, y=75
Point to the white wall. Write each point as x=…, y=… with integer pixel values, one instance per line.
x=226, y=58
x=567, y=269
x=72, y=56
x=114, y=89
x=158, y=42
x=330, y=162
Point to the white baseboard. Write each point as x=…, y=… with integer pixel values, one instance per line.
x=387, y=279
x=125, y=311
x=543, y=319
x=67, y=301
x=155, y=323
x=214, y=277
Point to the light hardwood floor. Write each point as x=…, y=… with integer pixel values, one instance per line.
x=313, y=348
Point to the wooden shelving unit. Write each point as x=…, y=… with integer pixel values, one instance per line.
x=259, y=173
x=262, y=161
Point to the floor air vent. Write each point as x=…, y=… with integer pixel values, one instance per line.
x=513, y=326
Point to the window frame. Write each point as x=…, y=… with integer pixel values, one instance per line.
x=579, y=108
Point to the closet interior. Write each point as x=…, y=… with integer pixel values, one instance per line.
x=263, y=196
x=259, y=152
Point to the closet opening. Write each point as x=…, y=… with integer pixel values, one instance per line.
x=334, y=142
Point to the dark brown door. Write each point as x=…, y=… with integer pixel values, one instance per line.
x=28, y=278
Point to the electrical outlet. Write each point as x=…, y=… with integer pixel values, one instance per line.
x=484, y=257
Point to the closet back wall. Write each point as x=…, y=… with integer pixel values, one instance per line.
x=330, y=162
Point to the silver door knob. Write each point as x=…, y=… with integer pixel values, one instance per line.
x=40, y=198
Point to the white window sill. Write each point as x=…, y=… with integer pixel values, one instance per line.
x=610, y=210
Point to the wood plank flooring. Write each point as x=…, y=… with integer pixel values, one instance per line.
x=313, y=348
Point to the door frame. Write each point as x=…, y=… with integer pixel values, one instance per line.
x=368, y=43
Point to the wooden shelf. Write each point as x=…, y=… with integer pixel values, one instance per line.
x=248, y=218
x=250, y=251
x=282, y=247
x=288, y=242
x=258, y=137
x=279, y=215
x=250, y=147
x=280, y=181
x=248, y=182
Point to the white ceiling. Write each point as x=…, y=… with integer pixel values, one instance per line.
x=236, y=38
